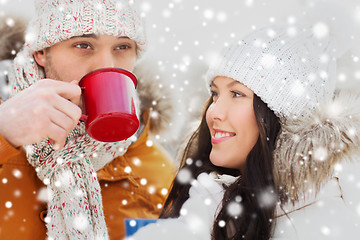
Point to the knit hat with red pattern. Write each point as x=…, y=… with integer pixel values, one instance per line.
x=58, y=20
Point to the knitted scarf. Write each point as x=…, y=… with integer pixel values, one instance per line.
x=75, y=208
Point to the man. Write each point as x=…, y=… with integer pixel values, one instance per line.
x=43, y=145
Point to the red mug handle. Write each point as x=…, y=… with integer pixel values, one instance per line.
x=83, y=117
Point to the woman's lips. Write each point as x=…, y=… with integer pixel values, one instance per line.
x=220, y=136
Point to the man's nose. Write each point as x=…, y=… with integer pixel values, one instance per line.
x=103, y=59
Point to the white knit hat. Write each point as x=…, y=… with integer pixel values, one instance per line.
x=58, y=20
x=289, y=68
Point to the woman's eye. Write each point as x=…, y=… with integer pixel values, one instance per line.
x=82, y=45
x=214, y=94
x=237, y=94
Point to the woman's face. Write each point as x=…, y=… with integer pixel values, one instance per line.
x=232, y=124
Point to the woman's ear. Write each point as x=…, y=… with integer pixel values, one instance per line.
x=40, y=57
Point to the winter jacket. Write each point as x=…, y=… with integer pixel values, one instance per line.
x=324, y=216
x=125, y=193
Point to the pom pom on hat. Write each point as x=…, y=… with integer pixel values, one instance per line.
x=58, y=20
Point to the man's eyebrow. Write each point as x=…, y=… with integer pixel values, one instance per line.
x=87, y=36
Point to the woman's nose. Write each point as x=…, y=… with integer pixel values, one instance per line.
x=218, y=110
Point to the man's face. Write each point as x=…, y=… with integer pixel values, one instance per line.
x=71, y=59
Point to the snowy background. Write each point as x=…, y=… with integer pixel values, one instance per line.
x=184, y=35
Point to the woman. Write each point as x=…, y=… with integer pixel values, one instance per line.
x=265, y=151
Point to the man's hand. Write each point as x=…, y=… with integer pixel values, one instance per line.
x=41, y=111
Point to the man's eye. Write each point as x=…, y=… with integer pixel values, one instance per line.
x=82, y=45
x=122, y=47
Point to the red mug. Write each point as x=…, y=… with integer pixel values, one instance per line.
x=108, y=96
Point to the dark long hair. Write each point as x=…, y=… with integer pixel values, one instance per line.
x=254, y=190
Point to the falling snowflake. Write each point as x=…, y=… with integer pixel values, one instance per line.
x=249, y=3
x=184, y=176
x=222, y=223
x=136, y=161
x=46, y=181
x=342, y=77
x=271, y=33
x=320, y=154
x=268, y=61
x=267, y=198
x=8, y=204
x=324, y=58
x=209, y=14
x=132, y=223
x=10, y=22
x=143, y=181
x=291, y=20
x=189, y=161
x=183, y=211
x=325, y=230
x=166, y=13
x=149, y=143
x=127, y=169
x=146, y=6
x=320, y=30
x=151, y=189
x=221, y=17
x=17, y=173
x=297, y=89
x=207, y=201
x=81, y=222
x=292, y=31
x=234, y=209
x=164, y=191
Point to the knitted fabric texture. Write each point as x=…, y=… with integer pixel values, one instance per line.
x=75, y=209
x=58, y=20
x=281, y=65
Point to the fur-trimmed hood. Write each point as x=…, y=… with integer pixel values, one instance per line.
x=153, y=91
x=155, y=95
x=11, y=36
x=309, y=148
